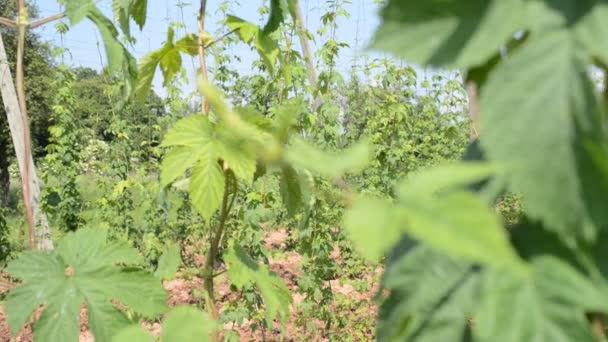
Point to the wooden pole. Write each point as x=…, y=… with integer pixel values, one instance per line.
x=307, y=53
x=472, y=91
x=25, y=160
x=201, y=52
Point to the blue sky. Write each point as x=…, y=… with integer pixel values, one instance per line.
x=82, y=40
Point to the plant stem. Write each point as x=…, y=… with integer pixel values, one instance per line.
x=215, y=41
x=230, y=187
x=597, y=322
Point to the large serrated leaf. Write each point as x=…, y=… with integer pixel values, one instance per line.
x=329, y=164
x=462, y=225
x=374, y=226
x=242, y=269
x=277, y=16
x=519, y=129
x=77, y=10
x=186, y=324
x=267, y=48
x=192, y=131
x=415, y=311
x=548, y=306
x=453, y=221
x=585, y=19
x=592, y=28
x=134, y=333
x=448, y=32
x=120, y=61
x=207, y=184
x=125, y=10
x=245, y=30
x=175, y=163
x=237, y=153
x=169, y=262
x=138, y=11
x=66, y=278
x=120, y=9
x=200, y=144
x=183, y=324
x=291, y=191
x=169, y=60
x=445, y=177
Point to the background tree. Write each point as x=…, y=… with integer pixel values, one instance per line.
x=96, y=105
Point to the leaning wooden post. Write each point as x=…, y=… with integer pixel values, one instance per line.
x=24, y=160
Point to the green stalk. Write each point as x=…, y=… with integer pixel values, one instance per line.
x=208, y=271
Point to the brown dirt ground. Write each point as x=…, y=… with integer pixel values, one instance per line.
x=182, y=291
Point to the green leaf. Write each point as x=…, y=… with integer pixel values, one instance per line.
x=461, y=225
x=531, y=240
x=95, y=252
x=117, y=54
x=125, y=10
x=453, y=221
x=237, y=153
x=555, y=65
x=120, y=9
x=374, y=226
x=175, y=163
x=448, y=32
x=550, y=305
x=169, y=60
x=591, y=29
x=36, y=267
x=207, y=184
x=64, y=324
x=105, y=320
x=69, y=276
x=120, y=61
x=267, y=48
x=445, y=177
x=415, y=311
x=170, y=65
x=147, y=69
x=192, y=131
x=188, y=44
x=77, y=10
x=133, y=333
x=200, y=143
x=245, y=30
x=285, y=119
x=329, y=164
x=186, y=324
x=169, y=262
x=277, y=16
x=242, y=269
x=291, y=192
x=181, y=324
x=585, y=19
x=479, y=74
x=138, y=11
x=265, y=145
